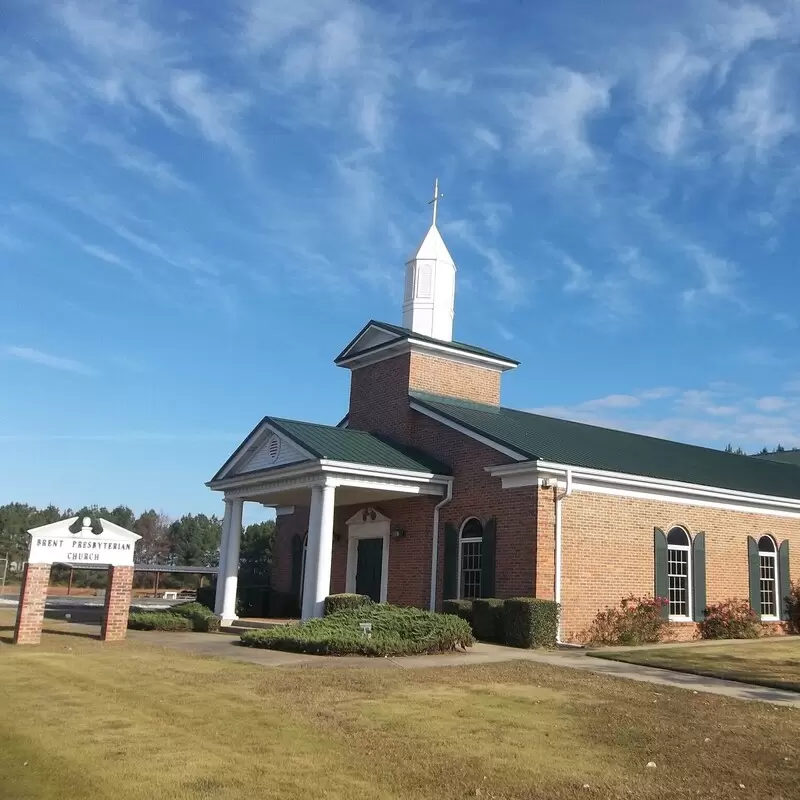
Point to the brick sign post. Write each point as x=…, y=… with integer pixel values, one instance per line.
x=112, y=548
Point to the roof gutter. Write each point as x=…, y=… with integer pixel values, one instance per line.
x=435, y=546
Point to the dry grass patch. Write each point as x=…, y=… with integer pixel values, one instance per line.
x=86, y=720
x=770, y=662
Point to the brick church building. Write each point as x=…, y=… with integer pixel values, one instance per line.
x=431, y=489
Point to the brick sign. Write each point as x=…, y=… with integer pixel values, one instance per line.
x=56, y=544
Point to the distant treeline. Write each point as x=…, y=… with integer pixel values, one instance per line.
x=192, y=540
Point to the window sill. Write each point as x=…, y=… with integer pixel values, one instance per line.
x=765, y=618
x=683, y=620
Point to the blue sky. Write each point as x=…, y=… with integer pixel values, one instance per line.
x=202, y=202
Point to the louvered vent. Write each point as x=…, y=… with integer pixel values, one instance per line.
x=273, y=449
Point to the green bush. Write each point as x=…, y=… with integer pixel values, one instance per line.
x=638, y=620
x=157, y=621
x=206, y=595
x=529, y=622
x=201, y=617
x=342, y=602
x=487, y=619
x=731, y=619
x=461, y=608
x=395, y=632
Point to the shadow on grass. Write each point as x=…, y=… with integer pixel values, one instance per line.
x=7, y=633
x=686, y=673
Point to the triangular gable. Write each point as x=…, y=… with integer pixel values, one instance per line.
x=372, y=335
x=266, y=447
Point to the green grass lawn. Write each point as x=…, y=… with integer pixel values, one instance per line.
x=79, y=719
x=770, y=662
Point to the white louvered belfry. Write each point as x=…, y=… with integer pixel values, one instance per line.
x=430, y=289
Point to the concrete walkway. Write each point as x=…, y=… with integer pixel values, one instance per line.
x=226, y=646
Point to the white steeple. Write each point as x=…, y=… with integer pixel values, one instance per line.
x=430, y=284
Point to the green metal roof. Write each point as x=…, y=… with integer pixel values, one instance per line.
x=784, y=456
x=356, y=447
x=537, y=437
x=407, y=333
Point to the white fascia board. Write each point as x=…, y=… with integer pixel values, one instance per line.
x=620, y=484
x=462, y=356
x=471, y=434
x=411, y=345
x=348, y=468
x=256, y=438
x=326, y=470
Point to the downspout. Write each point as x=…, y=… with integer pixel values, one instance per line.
x=559, y=497
x=435, y=549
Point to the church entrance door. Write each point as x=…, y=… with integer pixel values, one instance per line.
x=369, y=566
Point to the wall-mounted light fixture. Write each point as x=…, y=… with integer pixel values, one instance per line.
x=398, y=533
x=546, y=484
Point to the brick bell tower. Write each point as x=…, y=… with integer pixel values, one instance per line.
x=388, y=362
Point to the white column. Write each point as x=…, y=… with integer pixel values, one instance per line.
x=317, y=583
x=231, y=574
x=223, y=546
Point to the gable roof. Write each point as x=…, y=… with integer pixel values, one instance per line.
x=396, y=334
x=540, y=438
x=330, y=443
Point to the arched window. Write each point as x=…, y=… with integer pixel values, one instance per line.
x=470, y=559
x=679, y=573
x=768, y=570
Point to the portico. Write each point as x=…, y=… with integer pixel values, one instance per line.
x=320, y=468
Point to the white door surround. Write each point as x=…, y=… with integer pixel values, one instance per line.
x=367, y=524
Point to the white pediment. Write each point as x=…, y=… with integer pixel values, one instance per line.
x=366, y=516
x=273, y=450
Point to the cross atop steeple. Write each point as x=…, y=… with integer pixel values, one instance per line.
x=436, y=198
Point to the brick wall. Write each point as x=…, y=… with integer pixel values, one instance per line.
x=379, y=397
x=117, y=605
x=607, y=551
x=453, y=379
x=32, y=599
x=379, y=392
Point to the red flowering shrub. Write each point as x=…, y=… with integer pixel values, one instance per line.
x=730, y=619
x=638, y=620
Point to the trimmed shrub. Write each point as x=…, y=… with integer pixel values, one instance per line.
x=487, y=619
x=731, y=619
x=530, y=622
x=201, y=618
x=638, y=620
x=345, y=601
x=206, y=595
x=157, y=621
x=395, y=632
x=461, y=608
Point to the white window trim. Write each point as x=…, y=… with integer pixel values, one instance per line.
x=358, y=529
x=689, y=571
x=462, y=541
x=774, y=556
x=303, y=568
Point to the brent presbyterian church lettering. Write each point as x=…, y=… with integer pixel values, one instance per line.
x=112, y=546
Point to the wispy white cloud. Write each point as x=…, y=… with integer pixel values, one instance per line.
x=48, y=360
x=552, y=120
x=760, y=118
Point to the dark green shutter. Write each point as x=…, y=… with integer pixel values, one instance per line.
x=487, y=557
x=297, y=565
x=450, y=582
x=661, y=588
x=784, y=586
x=699, y=577
x=754, y=570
